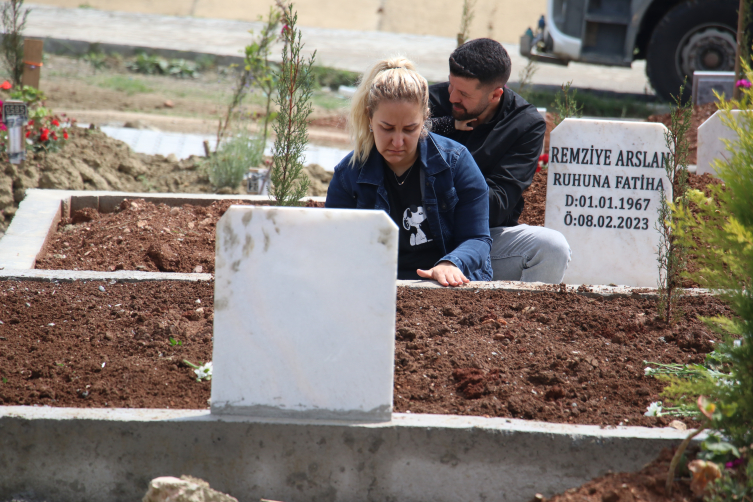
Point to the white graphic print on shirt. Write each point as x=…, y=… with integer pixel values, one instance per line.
x=413, y=217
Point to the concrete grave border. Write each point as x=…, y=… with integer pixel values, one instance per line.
x=82, y=455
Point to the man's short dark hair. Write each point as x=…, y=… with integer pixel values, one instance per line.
x=483, y=59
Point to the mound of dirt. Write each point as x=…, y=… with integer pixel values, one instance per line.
x=91, y=160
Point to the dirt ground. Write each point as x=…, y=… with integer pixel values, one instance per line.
x=144, y=236
x=645, y=485
x=556, y=357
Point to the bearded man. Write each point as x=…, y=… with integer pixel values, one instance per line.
x=505, y=135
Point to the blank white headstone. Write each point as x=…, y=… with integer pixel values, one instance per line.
x=603, y=195
x=710, y=142
x=304, y=316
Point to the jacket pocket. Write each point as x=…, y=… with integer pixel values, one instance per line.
x=447, y=201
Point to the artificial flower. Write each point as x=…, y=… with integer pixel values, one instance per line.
x=654, y=409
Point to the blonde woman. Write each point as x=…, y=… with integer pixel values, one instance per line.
x=429, y=185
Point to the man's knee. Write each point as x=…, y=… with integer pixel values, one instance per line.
x=554, y=245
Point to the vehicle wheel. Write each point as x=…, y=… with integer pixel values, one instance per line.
x=696, y=35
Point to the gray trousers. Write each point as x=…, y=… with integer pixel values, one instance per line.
x=529, y=254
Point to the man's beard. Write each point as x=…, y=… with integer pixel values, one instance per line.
x=465, y=115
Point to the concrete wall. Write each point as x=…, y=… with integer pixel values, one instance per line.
x=504, y=20
x=88, y=455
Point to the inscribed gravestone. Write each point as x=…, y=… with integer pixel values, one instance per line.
x=603, y=190
x=304, y=316
x=711, y=136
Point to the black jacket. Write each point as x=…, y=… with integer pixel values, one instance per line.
x=506, y=148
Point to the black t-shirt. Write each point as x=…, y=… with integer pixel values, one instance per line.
x=417, y=247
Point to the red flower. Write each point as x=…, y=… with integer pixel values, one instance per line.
x=5, y=86
x=538, y=168
x=31, y=123
x=28, y=133
x=65, y=134
x=54, y=136
x=55, y=122
x=45, y=135
x=544, y=158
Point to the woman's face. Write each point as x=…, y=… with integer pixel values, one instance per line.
x=397, y=127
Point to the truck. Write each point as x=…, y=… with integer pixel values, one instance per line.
x=674, y=37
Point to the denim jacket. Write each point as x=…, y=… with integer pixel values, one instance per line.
x=455, y=195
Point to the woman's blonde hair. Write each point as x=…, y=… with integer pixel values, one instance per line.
x=390, y=79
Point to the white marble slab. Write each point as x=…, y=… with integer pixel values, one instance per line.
x=603, y=191
x=711, y=147
x=304, y=314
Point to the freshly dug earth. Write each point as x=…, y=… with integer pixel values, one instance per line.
x=645, y=485
x=142, y=236
x=91, y=160
x=77, y=345
x=701, y=113
x=551, y=356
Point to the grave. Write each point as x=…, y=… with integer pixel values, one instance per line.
x=304, y=313
x=603, y=190
x=711, y=147
x=706, y=82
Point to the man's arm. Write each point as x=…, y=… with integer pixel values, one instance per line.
x=509, y=170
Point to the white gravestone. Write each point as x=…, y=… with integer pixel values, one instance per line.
x=711, y=147
x=304, y=317
x=603, y=189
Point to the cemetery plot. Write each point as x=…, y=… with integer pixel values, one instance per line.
x=604, y=185
x=141, y=236
x=449, y=352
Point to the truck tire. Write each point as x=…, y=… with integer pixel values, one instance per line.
x=695, y=35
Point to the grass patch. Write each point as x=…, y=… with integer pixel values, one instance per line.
x=125, y=84
x=594, y=105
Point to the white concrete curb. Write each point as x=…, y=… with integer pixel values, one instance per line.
x=99, y=454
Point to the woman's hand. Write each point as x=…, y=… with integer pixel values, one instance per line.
x=465, y=125
x=445, y=273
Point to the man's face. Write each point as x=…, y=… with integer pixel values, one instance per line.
x=469, y=98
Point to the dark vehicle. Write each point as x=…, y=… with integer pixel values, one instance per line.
x=675, y=37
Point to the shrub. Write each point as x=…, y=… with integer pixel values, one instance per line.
x=232, y=159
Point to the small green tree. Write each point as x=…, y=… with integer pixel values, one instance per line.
x=294, y=87
x=719, y=231
x=258, y=72
x=565, y=104
x=465, y=21
x=13, y=17
x=672, y=253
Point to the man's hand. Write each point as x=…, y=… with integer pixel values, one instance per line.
x=445, y=273
x=465, y=125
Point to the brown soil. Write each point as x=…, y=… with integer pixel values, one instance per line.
x=464, y=352
x=104, y=345
x=141, y=236
x=535, y=201
x=557, y=357
x=701, y=113
x=645, y=485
